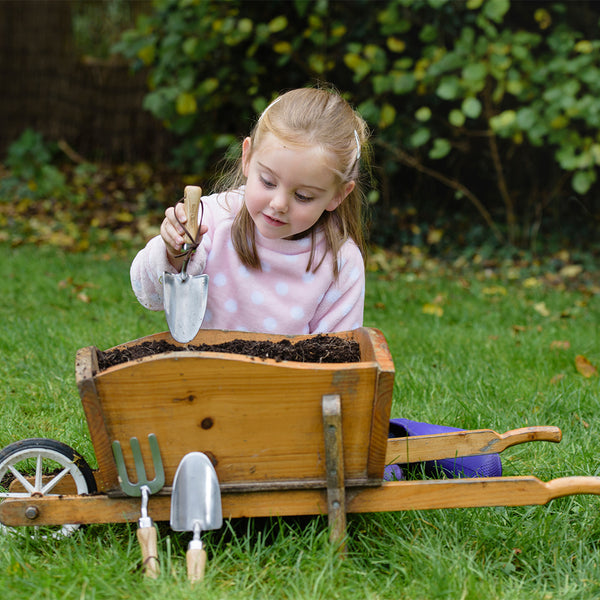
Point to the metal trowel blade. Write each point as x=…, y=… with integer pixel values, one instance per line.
x=196, y=496
x=185, y=304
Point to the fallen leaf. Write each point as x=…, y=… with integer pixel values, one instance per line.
x=531, y=282
x=518, y=328
x=434, y=236
x=542, y=309
x=558, y=377
x=495, y=290
x=585, y=367
x=570, y=270
x=560, y=345
x=433, y=309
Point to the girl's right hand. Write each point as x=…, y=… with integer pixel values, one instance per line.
x=173, y=233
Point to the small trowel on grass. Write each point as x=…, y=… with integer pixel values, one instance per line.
x=196, y=506
x=185, y=295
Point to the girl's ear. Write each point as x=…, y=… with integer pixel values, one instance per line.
x=246, y=151
x=341, y=196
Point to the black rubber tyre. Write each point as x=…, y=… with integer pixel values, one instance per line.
x=39, y=464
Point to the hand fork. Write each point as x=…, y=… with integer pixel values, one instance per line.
x=146, y=532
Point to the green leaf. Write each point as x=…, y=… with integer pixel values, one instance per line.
x=582, y=181
x=278, y=24
x=402, y=83
x=423, y=114
x=456, y=118
x=419, y=137
x=496, y=9
x=189, y=45
x=503, y=120
x=186, y=104
x=245, y=25
x=441, y=148
x=449, y=88
x=387, y=116
x=526, y=117
x=381, y=84
x=474, y=72
x=471, y=107
x=208, y=86
x=369, y=110
x=428, y=33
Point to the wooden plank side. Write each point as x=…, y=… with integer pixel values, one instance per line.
x=257, y=421
x=86, y=366
x=382, y=402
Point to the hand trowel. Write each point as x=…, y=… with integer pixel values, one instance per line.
x=196, y=506
x=185, y=295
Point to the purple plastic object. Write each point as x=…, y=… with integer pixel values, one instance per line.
x=487, y=465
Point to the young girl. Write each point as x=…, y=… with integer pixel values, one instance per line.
x=283, y=245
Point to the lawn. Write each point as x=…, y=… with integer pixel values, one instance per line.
x=477, y=343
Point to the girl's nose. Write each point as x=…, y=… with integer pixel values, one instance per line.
x=279, y=202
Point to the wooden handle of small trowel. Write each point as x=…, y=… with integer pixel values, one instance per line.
x=147, y=539
x=196, y=564
x=191, y=202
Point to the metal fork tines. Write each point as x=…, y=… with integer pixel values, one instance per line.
x=135, y=489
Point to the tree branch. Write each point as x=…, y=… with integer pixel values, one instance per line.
x=410, y=161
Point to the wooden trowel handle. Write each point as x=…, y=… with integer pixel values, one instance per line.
x=196, y=564
x=147, y=539
x=191, y=202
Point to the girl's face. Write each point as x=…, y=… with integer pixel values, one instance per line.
x=288, y=188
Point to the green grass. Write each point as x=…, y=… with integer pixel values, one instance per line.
x=487, y=361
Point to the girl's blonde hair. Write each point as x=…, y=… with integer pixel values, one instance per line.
x=322, y=118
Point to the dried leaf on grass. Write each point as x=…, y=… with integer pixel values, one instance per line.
x=585, y=367
x=570, y=270
x=494, y=290
x=433, y=309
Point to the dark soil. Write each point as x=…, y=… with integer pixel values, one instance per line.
x=319, y=349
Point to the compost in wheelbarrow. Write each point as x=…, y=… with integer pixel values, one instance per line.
x=317, y=349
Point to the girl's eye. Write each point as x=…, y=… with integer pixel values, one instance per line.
x=303, y=198
x=266, y=182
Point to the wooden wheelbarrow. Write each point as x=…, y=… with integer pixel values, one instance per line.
x=285, y=438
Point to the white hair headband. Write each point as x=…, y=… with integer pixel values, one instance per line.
x=264, y=112
x=356, y=138
x=357, y=145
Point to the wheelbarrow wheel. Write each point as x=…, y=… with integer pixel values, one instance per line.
x=47, y=467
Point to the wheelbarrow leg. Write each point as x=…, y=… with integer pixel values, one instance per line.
x=334, y=461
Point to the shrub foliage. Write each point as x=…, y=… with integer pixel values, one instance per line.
x=483, y=104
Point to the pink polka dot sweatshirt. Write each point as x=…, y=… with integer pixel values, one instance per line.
x=281, y=298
